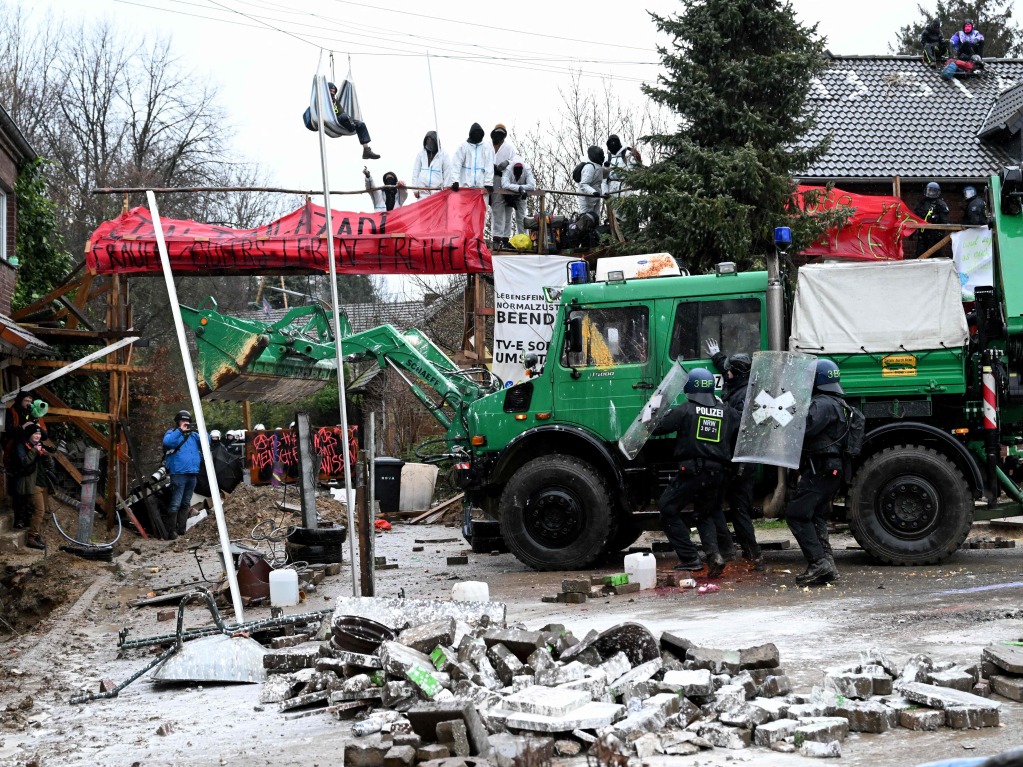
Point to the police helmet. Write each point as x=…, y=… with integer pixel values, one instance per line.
x=740, y=364
x=700, y=387
x=933, y=190
x=215, y=435
x=259, y=427
x=828, y=377
x=969, y=192
x=183, y=415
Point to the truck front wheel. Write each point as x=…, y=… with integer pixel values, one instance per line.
x=910, y=505
x=556, y=514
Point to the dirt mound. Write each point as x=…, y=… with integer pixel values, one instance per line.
x=29, y=593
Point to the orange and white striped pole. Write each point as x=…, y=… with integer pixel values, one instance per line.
x=990, y=423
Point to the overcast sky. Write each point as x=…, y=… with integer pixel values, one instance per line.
x=511, y=58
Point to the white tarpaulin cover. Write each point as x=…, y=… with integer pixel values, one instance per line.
x=849, y=308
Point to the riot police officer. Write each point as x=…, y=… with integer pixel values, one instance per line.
x=976, y=207
x=738, y=487
x=820, y=475
x=706, y=429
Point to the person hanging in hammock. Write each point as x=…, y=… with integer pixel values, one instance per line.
x=350, y=123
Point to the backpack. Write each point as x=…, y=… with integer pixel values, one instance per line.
x=577, y=171
x=852, y=441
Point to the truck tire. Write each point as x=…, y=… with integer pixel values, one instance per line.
x=627, y=534
x=320, y=536
x=556, y=514
x=910, y=505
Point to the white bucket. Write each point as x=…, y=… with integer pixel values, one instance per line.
x=284, y=588
x=470, y=591
x=642, y=569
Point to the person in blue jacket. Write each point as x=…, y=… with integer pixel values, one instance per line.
x=182, y=454
x=968, y=41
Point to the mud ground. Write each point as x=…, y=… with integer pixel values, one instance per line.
x=948, y=611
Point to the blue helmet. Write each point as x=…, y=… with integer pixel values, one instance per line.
x=828, y=377
x=700, y=387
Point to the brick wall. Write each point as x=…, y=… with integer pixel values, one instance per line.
x=8, y=177
x=8, y=276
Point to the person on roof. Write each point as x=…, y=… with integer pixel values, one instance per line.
x=933, y=210
x=518, y=179
x=956, y=67
x=619, y=159
x=349, y=123
x=976, y=207
x=392, y=196
x=591, y=181
x=430, y=167
x=933, y=42
x=967, y=42
x=502, y=205
x=472, y=165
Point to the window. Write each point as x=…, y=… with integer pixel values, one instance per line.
x=734, y=324
x=611, y=337
x=3, y=226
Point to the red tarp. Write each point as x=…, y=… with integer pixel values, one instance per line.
x=874, y=232
x=441, y=234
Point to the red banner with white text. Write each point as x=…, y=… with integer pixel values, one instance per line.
x=440, y=234
x=874, y=232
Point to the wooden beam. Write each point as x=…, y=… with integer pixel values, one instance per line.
x=72, y=366
x=49, y=298
x=935, y=248
x=92, y=367
x=78, y=336
x=89, y=415
x=87, y=428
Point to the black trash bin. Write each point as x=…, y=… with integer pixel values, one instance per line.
x=387, y=484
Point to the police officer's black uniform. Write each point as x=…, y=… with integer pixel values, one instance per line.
x=706, y=437
x=976, y=212
x=820, y=476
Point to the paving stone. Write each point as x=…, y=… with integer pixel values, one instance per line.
x=487, y=675
x=744, y=715
x=574, y=585
x=278, y=688
x=954, y=678
x=676, y=645
x=517, y=750
x=688, y=712
x=982, y=688
x=675, y=743
x=829, y=750
x=897, y=702
x=287, y=663
x=545, y=701
x=454, y=735
x=399, y=738
x=539, y=660
x=963, y=710
x=745, y=680
x=775, y=686
x=761, y=656
x=722, y=736
x=783, y=747
x=640, y=673
x=647, y=745
x=880, y=680
x=718, y=661
x=778, y=709
x=570, y=672
x=720, y=680
x=398, y=658
x=625, y=588
x=771, y=732
x=425, y=637
x=867, y=716
x=594, y=686
x=821, y=730
x=697, y=682
x=584, y=736
x=481, y=697
x=616, y=666
x=916, y=670
x=729, y=696
x=567, y=747
x=665, y=702
x=397, y=694
x=522, y=681
x=400, y=756
x=366, y=752
x=572, y=598
x=432, y=751
x=505, y=663
x=424, y=717
x=639, y=723
x=399, y=612
x=875, y=656
x=1010, y=687
x=1005, y=657
x=927, y=719
x=522, y=643
x=592, y=716
x=858, y=686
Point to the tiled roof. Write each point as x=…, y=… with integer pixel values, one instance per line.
x=402, y=314
x=894, y=116
x=16, y=339
x=1006, y=113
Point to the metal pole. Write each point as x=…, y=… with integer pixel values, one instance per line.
x=200, y=419
x=335, y=304
x=433, y=96
x=87, y=505
x=308, y=471
x=366, y=533
x=371, y=441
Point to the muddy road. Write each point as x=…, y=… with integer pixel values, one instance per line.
x=948, y=611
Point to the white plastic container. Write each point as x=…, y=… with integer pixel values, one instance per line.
x=642, y=569
x=417, y=483
x=284, y=588
x=470, y=591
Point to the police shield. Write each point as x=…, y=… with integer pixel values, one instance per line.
x=653, y=411
x=777, y=400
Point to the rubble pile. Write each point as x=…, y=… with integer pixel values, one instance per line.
x=1002, y=665
x=455, y=683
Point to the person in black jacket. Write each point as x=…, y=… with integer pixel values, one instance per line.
x=27, y=497
x=820, y=475
x=976, y=207
x=738, y=486
x=707, y=429
x=933, y=210
x=934, y=43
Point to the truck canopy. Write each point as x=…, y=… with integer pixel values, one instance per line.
x=856, y=308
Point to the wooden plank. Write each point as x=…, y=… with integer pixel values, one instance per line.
x=438, y=509
x=934, y=249
x=49, y=298
x=92, y=367
x=87, y=414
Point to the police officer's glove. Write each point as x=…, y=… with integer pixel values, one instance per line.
x=597, y=194
x=454, y=187
x=712, y=347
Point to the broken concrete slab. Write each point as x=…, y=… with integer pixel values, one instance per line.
x=760, y=656
x=1005, y=657
x=771, y=732
x=877, y=657
x=616, y=666
x=867, y=716
x=424, y=718
x=1010, y=687
x=718, y=661
x=648, y=744
x=558, y=675
x=696, y=682
x=676, y=645
x=821, y=729
x=505, y=663
x=546, y=701
x=813, y=749
x=963, y=710
x=398, y=613
x=430, y=751
x=923, y=719
x=366, y=752
x=427, y=636
x=777, y=709
x=400, y=756
x=916, y=670
x=675, y=743
x=520, y=642
x=745, y=716
x=953, y=678
x=722, y=736
x=396, y=658
x=454, y=735
x=857, y=686
x=592, y=716
x=667, y=703
x=515, y=750
x=640, y=673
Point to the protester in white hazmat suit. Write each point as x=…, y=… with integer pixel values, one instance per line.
x=501, y=205
x=591, y=182
x=386, y=199
x=518, y=178
x=619, y=159
x=431, y=166
x=472, y=164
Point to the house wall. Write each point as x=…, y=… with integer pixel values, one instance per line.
x=8, y=177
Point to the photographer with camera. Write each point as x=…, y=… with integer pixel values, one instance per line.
x=29, y=502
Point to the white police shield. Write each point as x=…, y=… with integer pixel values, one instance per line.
x=653, y=412
x=777, y=400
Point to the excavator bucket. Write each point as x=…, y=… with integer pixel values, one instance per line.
x=244, y=359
